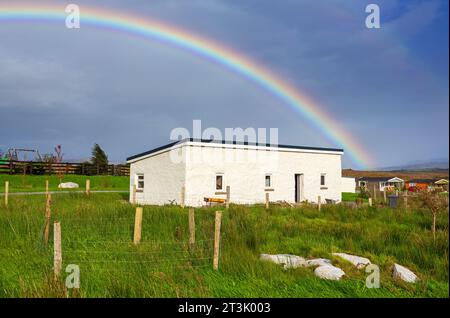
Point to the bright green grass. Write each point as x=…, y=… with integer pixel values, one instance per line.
x=27, y=183
x=351, y=197
x=97, y=231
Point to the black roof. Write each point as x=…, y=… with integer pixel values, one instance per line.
x=423, y=180
x=230, y=143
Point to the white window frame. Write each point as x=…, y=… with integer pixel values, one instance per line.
x=270, y=181
x=324, y=175
x=215, y=181
x=136, y=182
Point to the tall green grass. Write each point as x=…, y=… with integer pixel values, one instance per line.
x=97, y=232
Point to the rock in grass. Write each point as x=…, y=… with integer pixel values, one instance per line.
x=318, y=262
x=358, y=261
x=68, y=185
x=287, y=260
x=329, y=272
x=404, y=274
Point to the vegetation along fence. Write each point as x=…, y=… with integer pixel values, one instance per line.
x=40, y=168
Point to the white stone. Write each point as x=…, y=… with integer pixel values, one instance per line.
x=329, y=272
x=287, y=260
x=404, y=274
x=318, y=262
x=358, y=261
x=68, y=185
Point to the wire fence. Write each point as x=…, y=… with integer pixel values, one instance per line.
x=121, y=254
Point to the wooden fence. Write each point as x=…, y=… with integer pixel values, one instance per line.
x=41, y=168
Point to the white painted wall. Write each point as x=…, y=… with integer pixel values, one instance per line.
x=348, y=184
x=244, y=171
x=163, y=179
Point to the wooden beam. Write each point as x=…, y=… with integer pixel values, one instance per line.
x=57, y=251
x=191, y=227
x=138, y=225
x=218, y=222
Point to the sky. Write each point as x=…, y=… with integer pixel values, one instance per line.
x=386, y=87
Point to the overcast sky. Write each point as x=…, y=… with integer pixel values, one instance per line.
x=387, y=87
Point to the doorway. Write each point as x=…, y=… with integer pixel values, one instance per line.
x=298, y=187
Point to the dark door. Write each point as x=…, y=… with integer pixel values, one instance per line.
x=298, y=187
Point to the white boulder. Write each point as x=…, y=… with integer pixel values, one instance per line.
x=329, y=272
x=404, y=274
x=68, y=185
x=287, y=260
x=318, y=262
x=358, y=261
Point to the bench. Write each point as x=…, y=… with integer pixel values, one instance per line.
x=214, y=200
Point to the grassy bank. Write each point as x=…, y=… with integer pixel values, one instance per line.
x=27, y=183
x=97, y=231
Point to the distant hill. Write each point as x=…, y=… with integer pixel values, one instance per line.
x=403, y=174
x=433, y=165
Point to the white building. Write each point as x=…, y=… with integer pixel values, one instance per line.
x=348, y=184
x=381, y=183
x=193, y=170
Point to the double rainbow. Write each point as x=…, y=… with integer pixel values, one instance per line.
x=206, y=49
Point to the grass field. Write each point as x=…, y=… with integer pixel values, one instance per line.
x=97, y=232
x=27, y=183
x=350, y=197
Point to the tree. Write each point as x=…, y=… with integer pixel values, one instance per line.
x=99, y=157
x=434, y=203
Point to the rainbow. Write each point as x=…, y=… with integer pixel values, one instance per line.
x=206, y=49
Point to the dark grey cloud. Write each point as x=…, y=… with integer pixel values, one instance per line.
x=85, y=86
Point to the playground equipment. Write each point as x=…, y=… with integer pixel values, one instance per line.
x=14, y=154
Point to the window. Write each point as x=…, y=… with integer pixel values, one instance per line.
x=219, y=182
x=268, y=181
x=139, y=182
x=322, y=179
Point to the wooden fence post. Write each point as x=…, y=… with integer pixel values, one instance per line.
x=47, y=217
x=384, y=195
x=267, y=200
x=217, y=240
x=137, y=225
x=46, y=188
x=405, y=197
x=227, y=203
x=133, y=194
x=374, y=192
x=183, y=197
x=88, y=186
x=6, y=192
x=191, y=227
x=57, y=252
x=370, y=201
x=319, y=203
